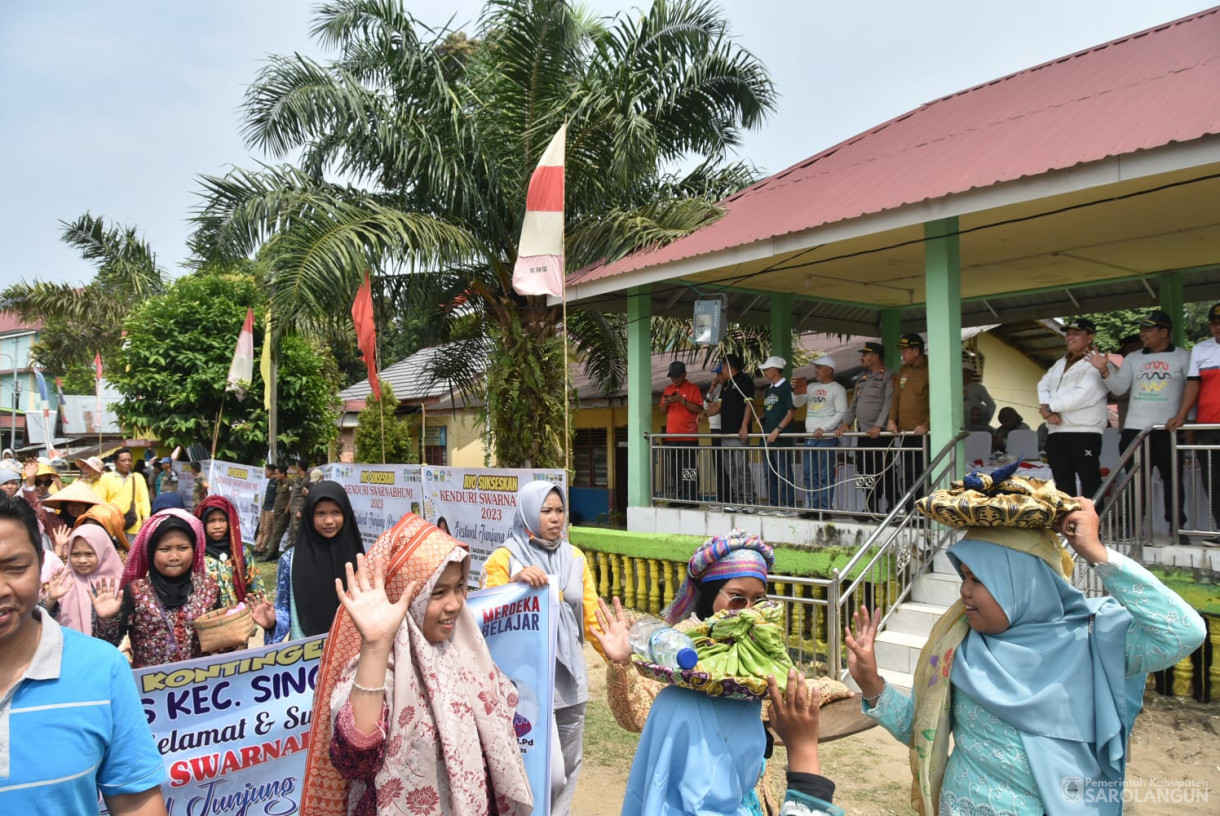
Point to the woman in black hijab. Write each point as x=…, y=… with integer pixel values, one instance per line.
x=327, y=540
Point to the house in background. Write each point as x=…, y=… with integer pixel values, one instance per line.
x=16, y=377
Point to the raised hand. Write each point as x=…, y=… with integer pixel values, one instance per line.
x=861, y=654
x=263, y=611
x=59, y=537
x=614, y=636
x=59, y=584
x=374, y=616
x=534, y=576
x=1081, y=529
x=794, y=716
x=107, y=597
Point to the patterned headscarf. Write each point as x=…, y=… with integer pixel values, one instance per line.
x=721, y=558
x=236, y=552
x=139, y=562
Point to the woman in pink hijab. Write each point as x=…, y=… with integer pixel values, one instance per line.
x=91, y=557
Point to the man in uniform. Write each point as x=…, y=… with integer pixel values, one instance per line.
x=910, y=412
x=869, y=411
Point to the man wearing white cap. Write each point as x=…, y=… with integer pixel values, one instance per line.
x=827, y=401
x=778, y=415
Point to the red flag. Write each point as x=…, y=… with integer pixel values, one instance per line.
x=539, y=267
x=366, y=331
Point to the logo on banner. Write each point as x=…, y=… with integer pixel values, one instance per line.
x=384, y=477
x=238, y=473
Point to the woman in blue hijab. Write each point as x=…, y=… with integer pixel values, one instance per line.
x=1038, y=684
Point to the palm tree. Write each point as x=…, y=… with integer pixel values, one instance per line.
x=435, y=137
x=81, y=321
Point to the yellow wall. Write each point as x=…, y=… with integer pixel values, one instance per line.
x=1011, y=378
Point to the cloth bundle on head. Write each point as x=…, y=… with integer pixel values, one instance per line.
x=111, y=520
x=230, y=549
x=721, y=558
x=443, y=687
x=998, y=500
x=318, y=561
x=76, y=607
x=173, y=592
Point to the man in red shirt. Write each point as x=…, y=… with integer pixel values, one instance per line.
x=682, y=403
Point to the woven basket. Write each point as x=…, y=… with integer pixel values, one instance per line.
x=222, y=630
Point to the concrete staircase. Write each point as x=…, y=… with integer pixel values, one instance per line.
x=899, y=644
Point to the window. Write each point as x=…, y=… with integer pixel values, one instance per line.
x=590, y=458
x=436, y=445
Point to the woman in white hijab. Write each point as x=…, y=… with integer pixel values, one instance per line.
x=536, y=548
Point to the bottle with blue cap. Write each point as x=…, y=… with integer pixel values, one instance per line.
x=659, y=643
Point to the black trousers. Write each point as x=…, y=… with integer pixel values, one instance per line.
x=1159, y=457
x=875, y=459
x=1209, y=469
x=681, y=472
x=1075, y=456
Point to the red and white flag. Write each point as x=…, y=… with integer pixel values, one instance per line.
x=241, y=370
x=539, y=268
x=366, y=331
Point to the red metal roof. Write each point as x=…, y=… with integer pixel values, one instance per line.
x=9, y=322
x=1139, y=92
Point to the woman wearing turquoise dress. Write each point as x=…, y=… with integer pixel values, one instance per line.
x=327, y=540
x=1038, y=685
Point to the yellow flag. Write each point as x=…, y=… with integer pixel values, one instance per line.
x=264, y=365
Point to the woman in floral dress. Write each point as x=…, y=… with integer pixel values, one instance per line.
x=163, y=589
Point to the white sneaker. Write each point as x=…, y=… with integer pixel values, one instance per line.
x=787, y=514
x=749, y=510
x=767, y=511
x=728, y=509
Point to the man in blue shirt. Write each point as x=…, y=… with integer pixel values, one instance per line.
x=71, y=725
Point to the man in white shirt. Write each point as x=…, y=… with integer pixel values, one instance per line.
x=1072, y=399
x=827, y=401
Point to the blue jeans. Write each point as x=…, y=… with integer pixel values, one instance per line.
x=819, y=472
x=779, y=474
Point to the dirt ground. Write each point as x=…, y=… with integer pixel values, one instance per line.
x=1176, y=741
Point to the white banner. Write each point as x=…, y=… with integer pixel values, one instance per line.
x=243, y=485
x=520, y=628
x=477, y=505
x=233, y=729
x=380, y=495
x=186, y=481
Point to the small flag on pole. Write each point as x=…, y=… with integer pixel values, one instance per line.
x=97, y=414
x=45, y=400
x=366, y=331
x=264, y=365
x=241, y=370
x=539, y=267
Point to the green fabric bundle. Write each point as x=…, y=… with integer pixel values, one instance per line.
x=745, y=643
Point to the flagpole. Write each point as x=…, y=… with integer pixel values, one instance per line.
x=216, y=427
x=567, y=432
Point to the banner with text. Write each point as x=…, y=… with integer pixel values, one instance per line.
x=520, y=627
x=380, y=494
x=234, y=728
x=476, y=505
x=244, y=486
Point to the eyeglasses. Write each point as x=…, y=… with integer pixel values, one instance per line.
x=44, y=482
x=741, y=601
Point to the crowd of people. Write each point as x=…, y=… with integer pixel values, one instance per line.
x=1157, y=386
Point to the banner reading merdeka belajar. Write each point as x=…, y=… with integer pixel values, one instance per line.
x=520, y=627
x=233, y=729
x=477, y=505
x=243, y=485
x=380, y=494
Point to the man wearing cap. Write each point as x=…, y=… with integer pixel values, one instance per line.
x=1203, y=389
x=910, y=411
x=166, y=480
x=1072, y=399
x=1155, y=378
x=827, y=401
x=682, y=403
x=778, y=415
x=736, y=405
x=870, y=411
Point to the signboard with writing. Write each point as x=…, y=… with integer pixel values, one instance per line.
x=380, y=495
x=476, y=505
x=243, y=485
x=520, y=627
x=234, y=728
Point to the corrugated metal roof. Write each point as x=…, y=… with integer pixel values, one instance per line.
x=1143, y=91
x=411, y=378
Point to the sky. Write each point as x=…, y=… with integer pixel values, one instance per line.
x=117, y=108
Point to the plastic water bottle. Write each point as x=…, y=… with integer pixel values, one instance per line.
x=659, y=643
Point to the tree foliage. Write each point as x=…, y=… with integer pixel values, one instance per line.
x=173, y=367
x=381, y=435
x=79, y=322
x=438, y=134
